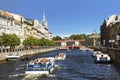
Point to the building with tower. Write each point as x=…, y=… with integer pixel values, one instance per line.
x=11, y=23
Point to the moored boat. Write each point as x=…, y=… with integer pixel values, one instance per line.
x=41, y=66
x=95, y=53
x=60, y=56
x=13, y=56
x=64, y=48
x=102, y=58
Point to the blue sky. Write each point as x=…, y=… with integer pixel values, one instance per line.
x=65, y=17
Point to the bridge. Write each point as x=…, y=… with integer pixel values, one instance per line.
x=69, y=43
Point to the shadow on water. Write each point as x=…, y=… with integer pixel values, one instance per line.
x=78, y=65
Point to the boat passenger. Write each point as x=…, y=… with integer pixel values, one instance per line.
x=101, y=57
x=32, y=62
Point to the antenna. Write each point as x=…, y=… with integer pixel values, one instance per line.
x=43, y=13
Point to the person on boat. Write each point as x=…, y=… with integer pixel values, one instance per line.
x=57, y=56
x=36, y=61
x=62, y=55
x=32, y=62
x=101, y=58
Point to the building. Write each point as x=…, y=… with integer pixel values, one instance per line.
x=17, y=26
x=95, y=38
x=110, y=29
x=11, y=24
x=5, y=22
x=23, y=27
x=45, y=30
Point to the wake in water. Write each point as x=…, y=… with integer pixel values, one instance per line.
x=16, y=75
x=37, y=76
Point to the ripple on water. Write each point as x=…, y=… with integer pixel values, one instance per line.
x=78, y=65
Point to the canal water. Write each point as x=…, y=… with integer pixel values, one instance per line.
x=78, y=65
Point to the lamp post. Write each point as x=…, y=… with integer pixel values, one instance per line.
x=111, y=41
x=118, y=39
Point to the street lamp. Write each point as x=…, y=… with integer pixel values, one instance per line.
x=118, y=39
x=111, y=41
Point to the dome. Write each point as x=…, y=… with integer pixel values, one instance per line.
x=94, y=33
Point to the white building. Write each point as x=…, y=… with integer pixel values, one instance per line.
x=4, y=24
x=113, y=19
x=17, y=24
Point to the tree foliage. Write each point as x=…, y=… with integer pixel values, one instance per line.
x=31, y=41
x=13, y=40
x=57, y=38
x=9, y=40
x=78, y=36
x=1, y=41
x=46, y=42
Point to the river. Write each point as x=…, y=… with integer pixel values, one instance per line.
x=78, y=65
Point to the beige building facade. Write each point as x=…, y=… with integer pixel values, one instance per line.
x=14, y=23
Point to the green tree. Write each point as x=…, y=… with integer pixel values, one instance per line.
x=6, y=40
x=57, y=38
x=78, y=36
x=44, y=42
x=52, y=43
x=9, y=40
x=30, y=41
x=1, y=40
x=13, y=41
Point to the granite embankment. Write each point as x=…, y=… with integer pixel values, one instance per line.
x=26, y=52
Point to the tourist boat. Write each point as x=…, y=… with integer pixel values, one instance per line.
x=83, y=49
x=91, y=50
x=13, y=56
x=41, y=66
x=95, y=53
x=25, y=57
x=102, y=58
x=64, y=48
x=60, y=56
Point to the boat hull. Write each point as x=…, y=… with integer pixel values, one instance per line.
x=36, y=72
x=12, y=57
x=60, y=56
x=48, y=71
x=102, y=61
x=41, y=68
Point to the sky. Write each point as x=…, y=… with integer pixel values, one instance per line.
x=65, y=17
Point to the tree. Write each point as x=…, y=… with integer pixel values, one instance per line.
x=78, y=36
x=9, y=40
x=1, y=40
x=43, y=42
x=51, y=43
x=46, y=42
x=13, y=41
x=6, y=40
x=57, y=38
x=30, y=41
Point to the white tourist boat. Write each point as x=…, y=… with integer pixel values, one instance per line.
x=13, y=56
x=95, y=53
x=83, y=49
x=60, y=56
x=103, y=58
x=41, y=66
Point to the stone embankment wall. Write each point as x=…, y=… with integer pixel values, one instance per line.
x=114, y=53
x=26, y=52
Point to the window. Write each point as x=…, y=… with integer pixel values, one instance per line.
x=116, y=18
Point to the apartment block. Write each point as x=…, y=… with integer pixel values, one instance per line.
x=110, y=31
